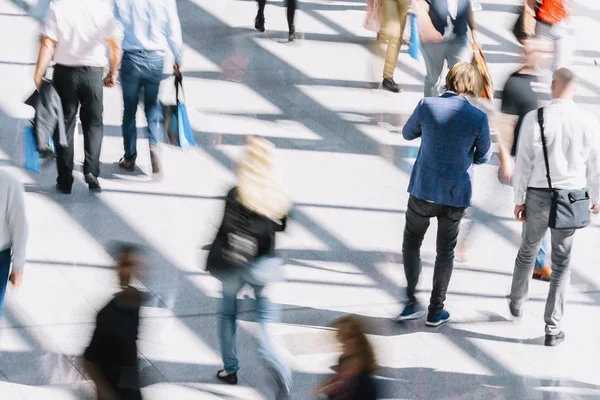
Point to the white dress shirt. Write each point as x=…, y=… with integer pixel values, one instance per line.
x=573, y=141
x=13, y=227
x=80, y=29
x=150, y=25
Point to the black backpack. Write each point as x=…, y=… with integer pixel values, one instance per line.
x=247, y=235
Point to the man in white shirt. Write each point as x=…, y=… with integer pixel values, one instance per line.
x=573, y=142
x=76, y=33
x=150, y=29
x=13, y=233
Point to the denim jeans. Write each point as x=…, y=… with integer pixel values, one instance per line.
x=537, y=209
x=542, y=256
x=140, y=70
x=5, y=257
x=418, y=214
x=453, y=51
x=265, y=313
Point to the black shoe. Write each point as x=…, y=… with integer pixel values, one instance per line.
x=93, y=183
x=554, y=340
x=390, y=85
x=292, y=35
x=63, y=189
x=229, y=378
x=259, y=23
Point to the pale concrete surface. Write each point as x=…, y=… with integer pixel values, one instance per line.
x=347, y=170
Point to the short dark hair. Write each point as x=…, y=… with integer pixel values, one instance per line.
x=124, y=249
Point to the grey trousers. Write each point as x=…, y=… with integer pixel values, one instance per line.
x=537, y=212
x=451, y=51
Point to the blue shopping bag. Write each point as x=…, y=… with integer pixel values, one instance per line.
x=184, y=128
x=414, y=44
x=31, y=157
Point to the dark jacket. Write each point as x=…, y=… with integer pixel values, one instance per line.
x=439, y=13
x=263, y=225
x=49, y=120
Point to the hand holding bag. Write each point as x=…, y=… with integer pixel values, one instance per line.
x=570, y=209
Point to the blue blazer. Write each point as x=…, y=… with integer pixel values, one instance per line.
x=454, y=136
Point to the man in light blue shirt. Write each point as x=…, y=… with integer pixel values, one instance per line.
x=150, y=28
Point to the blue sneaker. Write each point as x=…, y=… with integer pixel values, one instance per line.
x=411, y=311
x=439, y=319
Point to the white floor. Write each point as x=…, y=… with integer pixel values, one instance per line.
x=347, y=170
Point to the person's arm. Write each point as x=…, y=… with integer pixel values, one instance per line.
x=47, y=46
x=483, y=143
x=412, y=128
x=174, y=35
x=525, y=157
x=103, y=388
x=115, y=56
x=593, y=164
x=471, y=22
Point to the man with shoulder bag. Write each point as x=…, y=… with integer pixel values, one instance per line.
x=557, y=186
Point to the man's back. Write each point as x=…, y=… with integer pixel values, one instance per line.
x=80, y=29
x=571, y=135
x=150, y=25
x=454, y=136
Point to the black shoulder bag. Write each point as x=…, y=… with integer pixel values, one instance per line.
x=570, y=209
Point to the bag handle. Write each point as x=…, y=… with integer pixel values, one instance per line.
x=544, y=146
x=179, y=84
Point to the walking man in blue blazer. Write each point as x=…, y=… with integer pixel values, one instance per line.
x=454, y=136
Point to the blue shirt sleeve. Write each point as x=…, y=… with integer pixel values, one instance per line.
x=412, y=128
x=174, y=35
x=483, y=143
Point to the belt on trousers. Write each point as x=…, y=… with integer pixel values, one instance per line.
x=545, y=190
x=145, y=51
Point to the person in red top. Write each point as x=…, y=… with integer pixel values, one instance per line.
x=552, y=18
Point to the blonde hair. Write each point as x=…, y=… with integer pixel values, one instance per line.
x=258, y=188
x=462, y=79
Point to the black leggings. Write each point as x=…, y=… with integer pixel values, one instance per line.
x=291, y=10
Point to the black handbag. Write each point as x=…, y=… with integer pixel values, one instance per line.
x=569, y=209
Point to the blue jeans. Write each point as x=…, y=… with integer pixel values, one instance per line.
x=5, y=257
x=140, y=70
x=265, y=313
x=542, y=257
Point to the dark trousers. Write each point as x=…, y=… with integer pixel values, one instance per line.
x=291, y=11
x=80, y=86
x=418, y=216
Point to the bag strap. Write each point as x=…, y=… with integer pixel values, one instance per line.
x=178, y=84
x=544, y=146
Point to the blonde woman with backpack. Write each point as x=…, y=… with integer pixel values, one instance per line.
x=244, y=253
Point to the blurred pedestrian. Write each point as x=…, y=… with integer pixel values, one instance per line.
x=353, y=379
x=565, y=155
x=553, y=17
x=521, y=95
x=150, y=28
x=13, y=233
x=111, y=359
x=393, y=13
x=74, y=35
x=259, y=21
x=454, y=136
x=452, y=19
x=244, y=253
